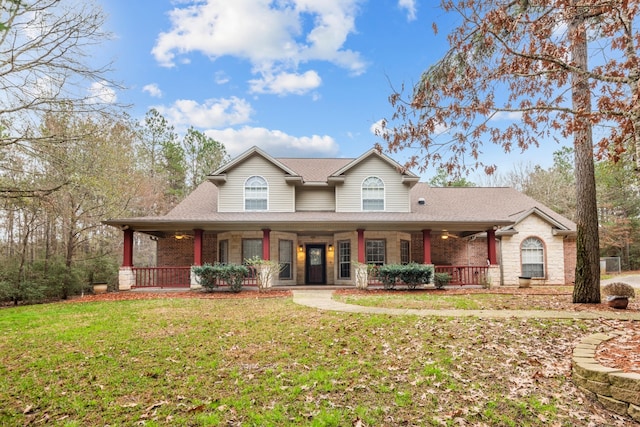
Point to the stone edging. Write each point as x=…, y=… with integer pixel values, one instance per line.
x=618, y=391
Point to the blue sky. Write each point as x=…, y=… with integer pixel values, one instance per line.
x=298, y=78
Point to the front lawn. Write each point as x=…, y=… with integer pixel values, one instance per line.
x=256, y=362
x=506, y=298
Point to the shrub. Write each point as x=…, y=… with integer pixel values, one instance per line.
x=30, y=292
x=441, y=280
x=210, y=275
x=234, y=275
x=411, y=274
x=618, y=289
x=207, y=276
x=266, y=271
x=362, y=275
x=101, y=270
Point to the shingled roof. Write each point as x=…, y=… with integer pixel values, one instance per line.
x=314, y=170
x=468, y=209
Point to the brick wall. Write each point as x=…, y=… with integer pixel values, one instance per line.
x=417, y=254
x=451, y=251
x=570, y=254
x=176, y=253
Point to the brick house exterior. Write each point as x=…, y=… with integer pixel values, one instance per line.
x=319, y=216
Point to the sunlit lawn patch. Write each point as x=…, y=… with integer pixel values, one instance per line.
x=459, y=301
x=271, y=362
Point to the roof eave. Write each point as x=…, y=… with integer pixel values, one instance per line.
x=569, y=233
x=217, y=179
x=294, y=179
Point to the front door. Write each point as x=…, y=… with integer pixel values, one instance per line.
x=315, y=265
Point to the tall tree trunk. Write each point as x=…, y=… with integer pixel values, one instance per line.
x=587, y=286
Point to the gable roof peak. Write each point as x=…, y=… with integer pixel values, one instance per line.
x=250, y=152
x=375, y=152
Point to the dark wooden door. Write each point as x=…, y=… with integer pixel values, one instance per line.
x=315, y=265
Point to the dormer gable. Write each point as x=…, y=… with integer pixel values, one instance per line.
x=407, y=177
x=220, y=175
x=255, y=182
x=373, y=183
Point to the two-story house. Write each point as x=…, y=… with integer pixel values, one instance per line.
x=318, y=216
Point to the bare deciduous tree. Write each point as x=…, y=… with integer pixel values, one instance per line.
x=45, y=47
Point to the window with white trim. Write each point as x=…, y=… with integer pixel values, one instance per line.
x=285, y=258
x=375, y=252
x=405, y=252
x=532, y=253
x=251, y=248
x=372, y=194
x=223, y=251
x=256, y=191
x=344, y=259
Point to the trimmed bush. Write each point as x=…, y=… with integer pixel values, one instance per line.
x=209, y=275
x=411, y=275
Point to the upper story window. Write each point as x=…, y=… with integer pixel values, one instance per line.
x=256, y=191
x=532, y=251
x=372, y=194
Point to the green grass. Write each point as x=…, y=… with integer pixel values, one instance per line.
x=441, y=301
x=257, y=362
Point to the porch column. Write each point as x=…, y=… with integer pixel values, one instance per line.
x=361, y=245
x=197, y=246
x=127, y=250
x=266, y=244
x=426, y=246
x=491, y=247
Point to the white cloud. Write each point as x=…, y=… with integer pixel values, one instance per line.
x=221, y=78
x=274, y=142
x=410, y=6
x=377, y=129
x=286, y=83
x=274, y=36
x=101, y=92
x=507, y=115
x=153, y=90
x=212, y=113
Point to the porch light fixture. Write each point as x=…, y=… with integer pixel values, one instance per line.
x=300, y=248
x=330, y=248
x=444, y=236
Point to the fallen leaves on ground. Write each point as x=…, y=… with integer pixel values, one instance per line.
x=161, y=294
x=622, y=352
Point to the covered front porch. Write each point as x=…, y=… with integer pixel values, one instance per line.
x=312, y=258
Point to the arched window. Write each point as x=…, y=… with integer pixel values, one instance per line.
x=372, y=194
x=532, y=251
x=256, y=191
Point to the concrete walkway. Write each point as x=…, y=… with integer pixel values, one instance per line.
x=322, y=299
